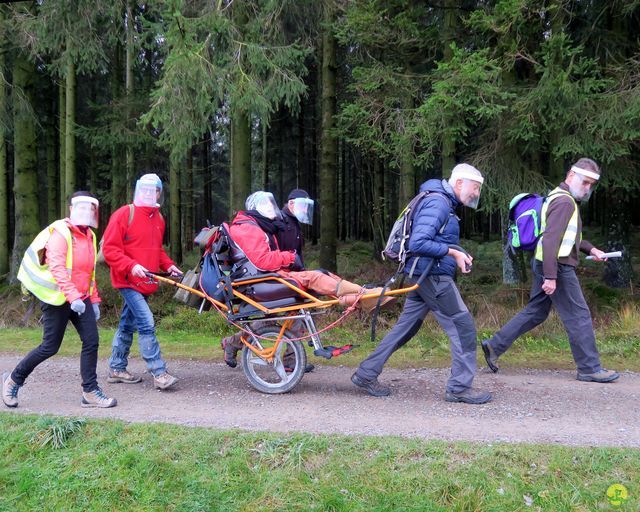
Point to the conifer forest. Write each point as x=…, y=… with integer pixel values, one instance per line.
x=356, y=101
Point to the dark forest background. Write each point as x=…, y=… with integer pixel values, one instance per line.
x=358, y=102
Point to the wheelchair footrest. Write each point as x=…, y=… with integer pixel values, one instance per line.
x=331, y=351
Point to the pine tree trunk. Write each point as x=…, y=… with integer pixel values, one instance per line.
x=448, y=35
x=240, y=175
x=52, y=168
x=186, y=203
x=207, y=177
x=25, y=184
x=62, y=129
x=70, y=136
x=4, y=192
x=328, y=144
x=175, y=247
x=240, y=179
x=129, y=91
x=556, y=164
x=379, y=233
x=119, y=191
x=618, y=272
x=264, y=180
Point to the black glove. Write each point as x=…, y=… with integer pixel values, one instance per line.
x=297, y=264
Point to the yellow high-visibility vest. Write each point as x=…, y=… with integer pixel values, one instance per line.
x=571, y=236
x=35, y=275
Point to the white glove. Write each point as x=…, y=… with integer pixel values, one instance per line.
x=96, y=310
x=78, y=306
x=174, y=271
x=138, y=271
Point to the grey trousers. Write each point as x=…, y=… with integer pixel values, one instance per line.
x=572, y=309
x=440, y=295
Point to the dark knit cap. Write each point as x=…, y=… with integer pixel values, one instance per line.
x=296, y=193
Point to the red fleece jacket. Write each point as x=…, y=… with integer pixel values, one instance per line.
x=140, y=242
x=255, y=244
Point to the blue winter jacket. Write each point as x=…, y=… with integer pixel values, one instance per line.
x=435, y=226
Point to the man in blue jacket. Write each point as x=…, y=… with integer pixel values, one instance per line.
x=436, y=227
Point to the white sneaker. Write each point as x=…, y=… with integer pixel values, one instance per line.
x=9, y=391
x=97, y=398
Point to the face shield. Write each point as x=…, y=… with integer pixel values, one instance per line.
x=148, y=191
x=84, y=211
x=582, y=183
x=470, y=193
x=302, y=209
x=264, y=203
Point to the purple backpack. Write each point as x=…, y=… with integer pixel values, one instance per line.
x=525, y=221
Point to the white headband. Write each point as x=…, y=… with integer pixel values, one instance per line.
x=456, y=175
x=84, y=199
x=584, y=172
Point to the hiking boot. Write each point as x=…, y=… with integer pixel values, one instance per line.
x=122, y=376
x=373, y=387
x=164, y=381
x=601, y=375
x=490, y=356
x=97, y=398
x=469, y=396
x=230, y=352
x=307, y=369
x=9, y=391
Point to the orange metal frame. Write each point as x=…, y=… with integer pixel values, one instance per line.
x=314, y=302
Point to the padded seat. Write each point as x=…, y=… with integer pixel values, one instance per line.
x=246, y=310
x=268, y=291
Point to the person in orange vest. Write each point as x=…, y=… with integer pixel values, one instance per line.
x=58, y=268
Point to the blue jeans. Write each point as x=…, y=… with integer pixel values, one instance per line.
x=136, y=316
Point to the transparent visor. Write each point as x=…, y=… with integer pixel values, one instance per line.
x=84, y=211
x=148, y=193
x=581, y=187
x=302, y=209
x=264, y=203
x=470, y=193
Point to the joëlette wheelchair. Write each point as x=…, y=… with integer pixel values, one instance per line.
x=264, y=306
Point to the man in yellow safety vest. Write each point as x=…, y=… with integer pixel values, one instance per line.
x=554, y=277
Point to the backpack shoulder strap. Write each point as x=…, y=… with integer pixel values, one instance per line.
x=131, y=212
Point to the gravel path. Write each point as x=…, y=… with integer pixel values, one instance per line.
x=530, y=406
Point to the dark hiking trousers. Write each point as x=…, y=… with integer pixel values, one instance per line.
x=55, y=320
x=572, y=309
x=440, y=295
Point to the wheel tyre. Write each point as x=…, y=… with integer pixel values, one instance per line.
x=252, y=369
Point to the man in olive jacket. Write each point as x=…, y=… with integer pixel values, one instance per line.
x=554, y=277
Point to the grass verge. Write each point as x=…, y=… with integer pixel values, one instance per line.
x=111, y=465
x=187, y=335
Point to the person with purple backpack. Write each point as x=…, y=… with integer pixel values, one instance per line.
x=554, y=276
